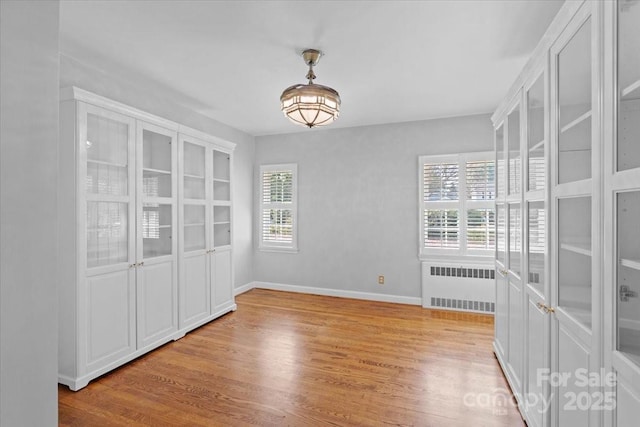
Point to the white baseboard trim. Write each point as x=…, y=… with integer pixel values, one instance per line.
x=369, y=296
x=244, y=288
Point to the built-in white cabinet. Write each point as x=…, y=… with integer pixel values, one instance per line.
x=129, y=212
x=205, y=243
x=568, y=221
x=622, y=207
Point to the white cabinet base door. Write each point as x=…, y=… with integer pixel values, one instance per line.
x=572, y=395
x=535, y=396
x=627, y=405
x=194, y=297
x=157, y=303
x=516, y=339
x=110, y=333
x=222, y=289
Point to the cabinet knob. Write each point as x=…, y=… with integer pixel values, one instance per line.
x=132, y=265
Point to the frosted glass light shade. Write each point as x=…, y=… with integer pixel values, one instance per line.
x=310, y=105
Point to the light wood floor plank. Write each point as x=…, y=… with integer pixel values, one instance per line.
x=286, y=359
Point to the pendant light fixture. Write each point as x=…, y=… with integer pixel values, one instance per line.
x=311, y=104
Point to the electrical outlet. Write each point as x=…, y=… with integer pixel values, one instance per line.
x=380, y=280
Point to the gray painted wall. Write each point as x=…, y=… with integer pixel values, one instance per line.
x=28, y=221
x=143, y=93
x=358, y=201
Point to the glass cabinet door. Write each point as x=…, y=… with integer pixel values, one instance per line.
x=535, y=135
x=221, y=176
x=513, y=141
x=157, y=159
x=108, y=209
x=628, y=146
x=221, y=199
x=194, y=193
x=628, y=274
x=574, y=258
x=574, y=107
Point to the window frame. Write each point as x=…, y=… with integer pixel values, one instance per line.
x=293, y=206
x=462, y=205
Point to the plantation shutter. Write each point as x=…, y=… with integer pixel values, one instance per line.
x=277, y=207
x=440, y=181
x=457, y=197
x=481, y=187
x=481, y=180
x=441, y=193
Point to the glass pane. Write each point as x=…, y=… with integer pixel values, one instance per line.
x=221, y=234
x=537, y=245
x=574, y=97
x=107, y=156
x=481, y=229
x=221, y=226
x=221, y=165
x=194, y=227
x=629, y=85
x=628, y=274
x=441, y=228
x=194, y=171
x=535, y=134
x=221, y=214
x=501, y=244
x=156, y=230
x=515, y=238
x=500, y=166
x=156, y=164
x=574, y=257
x=221, y=191
x=515, y=165
x=440, y=181
x=107, y=233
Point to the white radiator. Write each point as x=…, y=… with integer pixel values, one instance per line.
x=461, y=287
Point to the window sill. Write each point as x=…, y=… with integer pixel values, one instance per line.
x=457, y=258
x=277, y=249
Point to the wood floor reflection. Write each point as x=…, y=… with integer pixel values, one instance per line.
x=287, y=359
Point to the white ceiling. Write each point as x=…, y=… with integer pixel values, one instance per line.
x=391, y=61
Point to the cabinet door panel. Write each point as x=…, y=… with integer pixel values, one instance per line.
x=195, y=290
x=110, y=323
x=537, y=360
x=222, y=290
x=157, y=303
x=516, y=341
x=627, y=403
x=501, y=316
x=571, y=395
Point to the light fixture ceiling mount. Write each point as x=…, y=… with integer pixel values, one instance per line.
x=311, y=104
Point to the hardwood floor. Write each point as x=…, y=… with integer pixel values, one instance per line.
x=287, y=359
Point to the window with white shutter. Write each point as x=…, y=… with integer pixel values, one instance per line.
x=457, y=214
x=278, y=207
